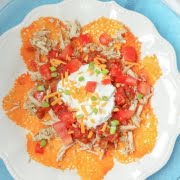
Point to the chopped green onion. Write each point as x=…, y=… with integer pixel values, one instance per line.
x=93, y=98
x=104, y=71
x=97, y=71
x=139, y=96
x=95, y=110
x=79, y=116
x=91, y=65
x=54, y=74
x=45, y=104
x=104, y=98
x=81, y=78
x=43, y=142
x=41, y=88
x=52, y=69
x=115, y=122
x=112, y=129
x=67, y=92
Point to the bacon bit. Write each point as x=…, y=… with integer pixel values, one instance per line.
x=50, y=95
x=104, y=127
x=57, y=101
x=82, y=127
x=115, y=110
x=90, y=134
x=66, y=76
x=71, y=132
x=62, y=78
x=86, y=58
x=84, y=110
x=68, y=58
x=92, y=120
x=131, y=63
x=118, y=85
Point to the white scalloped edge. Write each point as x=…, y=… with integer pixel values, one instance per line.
x=174, y=71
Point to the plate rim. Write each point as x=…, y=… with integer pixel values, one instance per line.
x=155, y=33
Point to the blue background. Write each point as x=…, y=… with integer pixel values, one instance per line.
x=165, y=20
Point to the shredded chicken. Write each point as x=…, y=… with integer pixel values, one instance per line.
x=62, y=151
x=134, y=105
x=127, y=128
x=41, y=42
x=46, y=133
x=32, y=99
x=110, y=54
x=53, y=115
x=73, y=28
x=36, y=76
x=130, y=146
x=136, y=120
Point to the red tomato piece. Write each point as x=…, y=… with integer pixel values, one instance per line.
x=122, y=115
x=53, y=54
x=45, y=71
x=115, y=70
x=84, y=39
x=106, y=81
x=39, y=149
x=39, y=95
x=129, y=53
x=77, y=133
x=127, y=80
x=105, y=39
x=41, y=111
x=90, y=86
x=62, y=132
x=144, y=88
x=73, y=65
x=67, y=118
x=67, y=51
x=120, y=96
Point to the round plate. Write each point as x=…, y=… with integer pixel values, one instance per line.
x=165, y=101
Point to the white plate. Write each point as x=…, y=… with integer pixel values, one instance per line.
x=166, y=99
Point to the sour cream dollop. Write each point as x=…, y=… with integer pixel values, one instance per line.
x=92, y=108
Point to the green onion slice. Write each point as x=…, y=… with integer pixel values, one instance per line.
x=67, y=92
x=104, y=98
x=52, y=69
x=81, y=78
x=45, y=104
x=91, y=65
x=139, y=96
x=54, y=74
x=115, y=122
x=41, y=88
x=43, y=142
x=104, y=71
x=93, y=98
x=95, y=110
x=112, y=129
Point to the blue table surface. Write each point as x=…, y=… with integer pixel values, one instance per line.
x=165, y=20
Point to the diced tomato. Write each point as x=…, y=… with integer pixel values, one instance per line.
x=45, y=71
x=106, y=81
x=73, y=65
x=122, y=115
x=41, y=111
x=62, y=132
x=144, y=88
x=105, y=39
x=120, y=96
x=103, y=143
x=127, y=80
x=90, y=86
x=115, y=70
x=67, y=118
x=130, y=93
x=39, y=149
x=67, y=51
x=38, y=95
x=112, y=137
x=77, y=133
x=53, y=54
x=129, y=53
x=84, y=39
